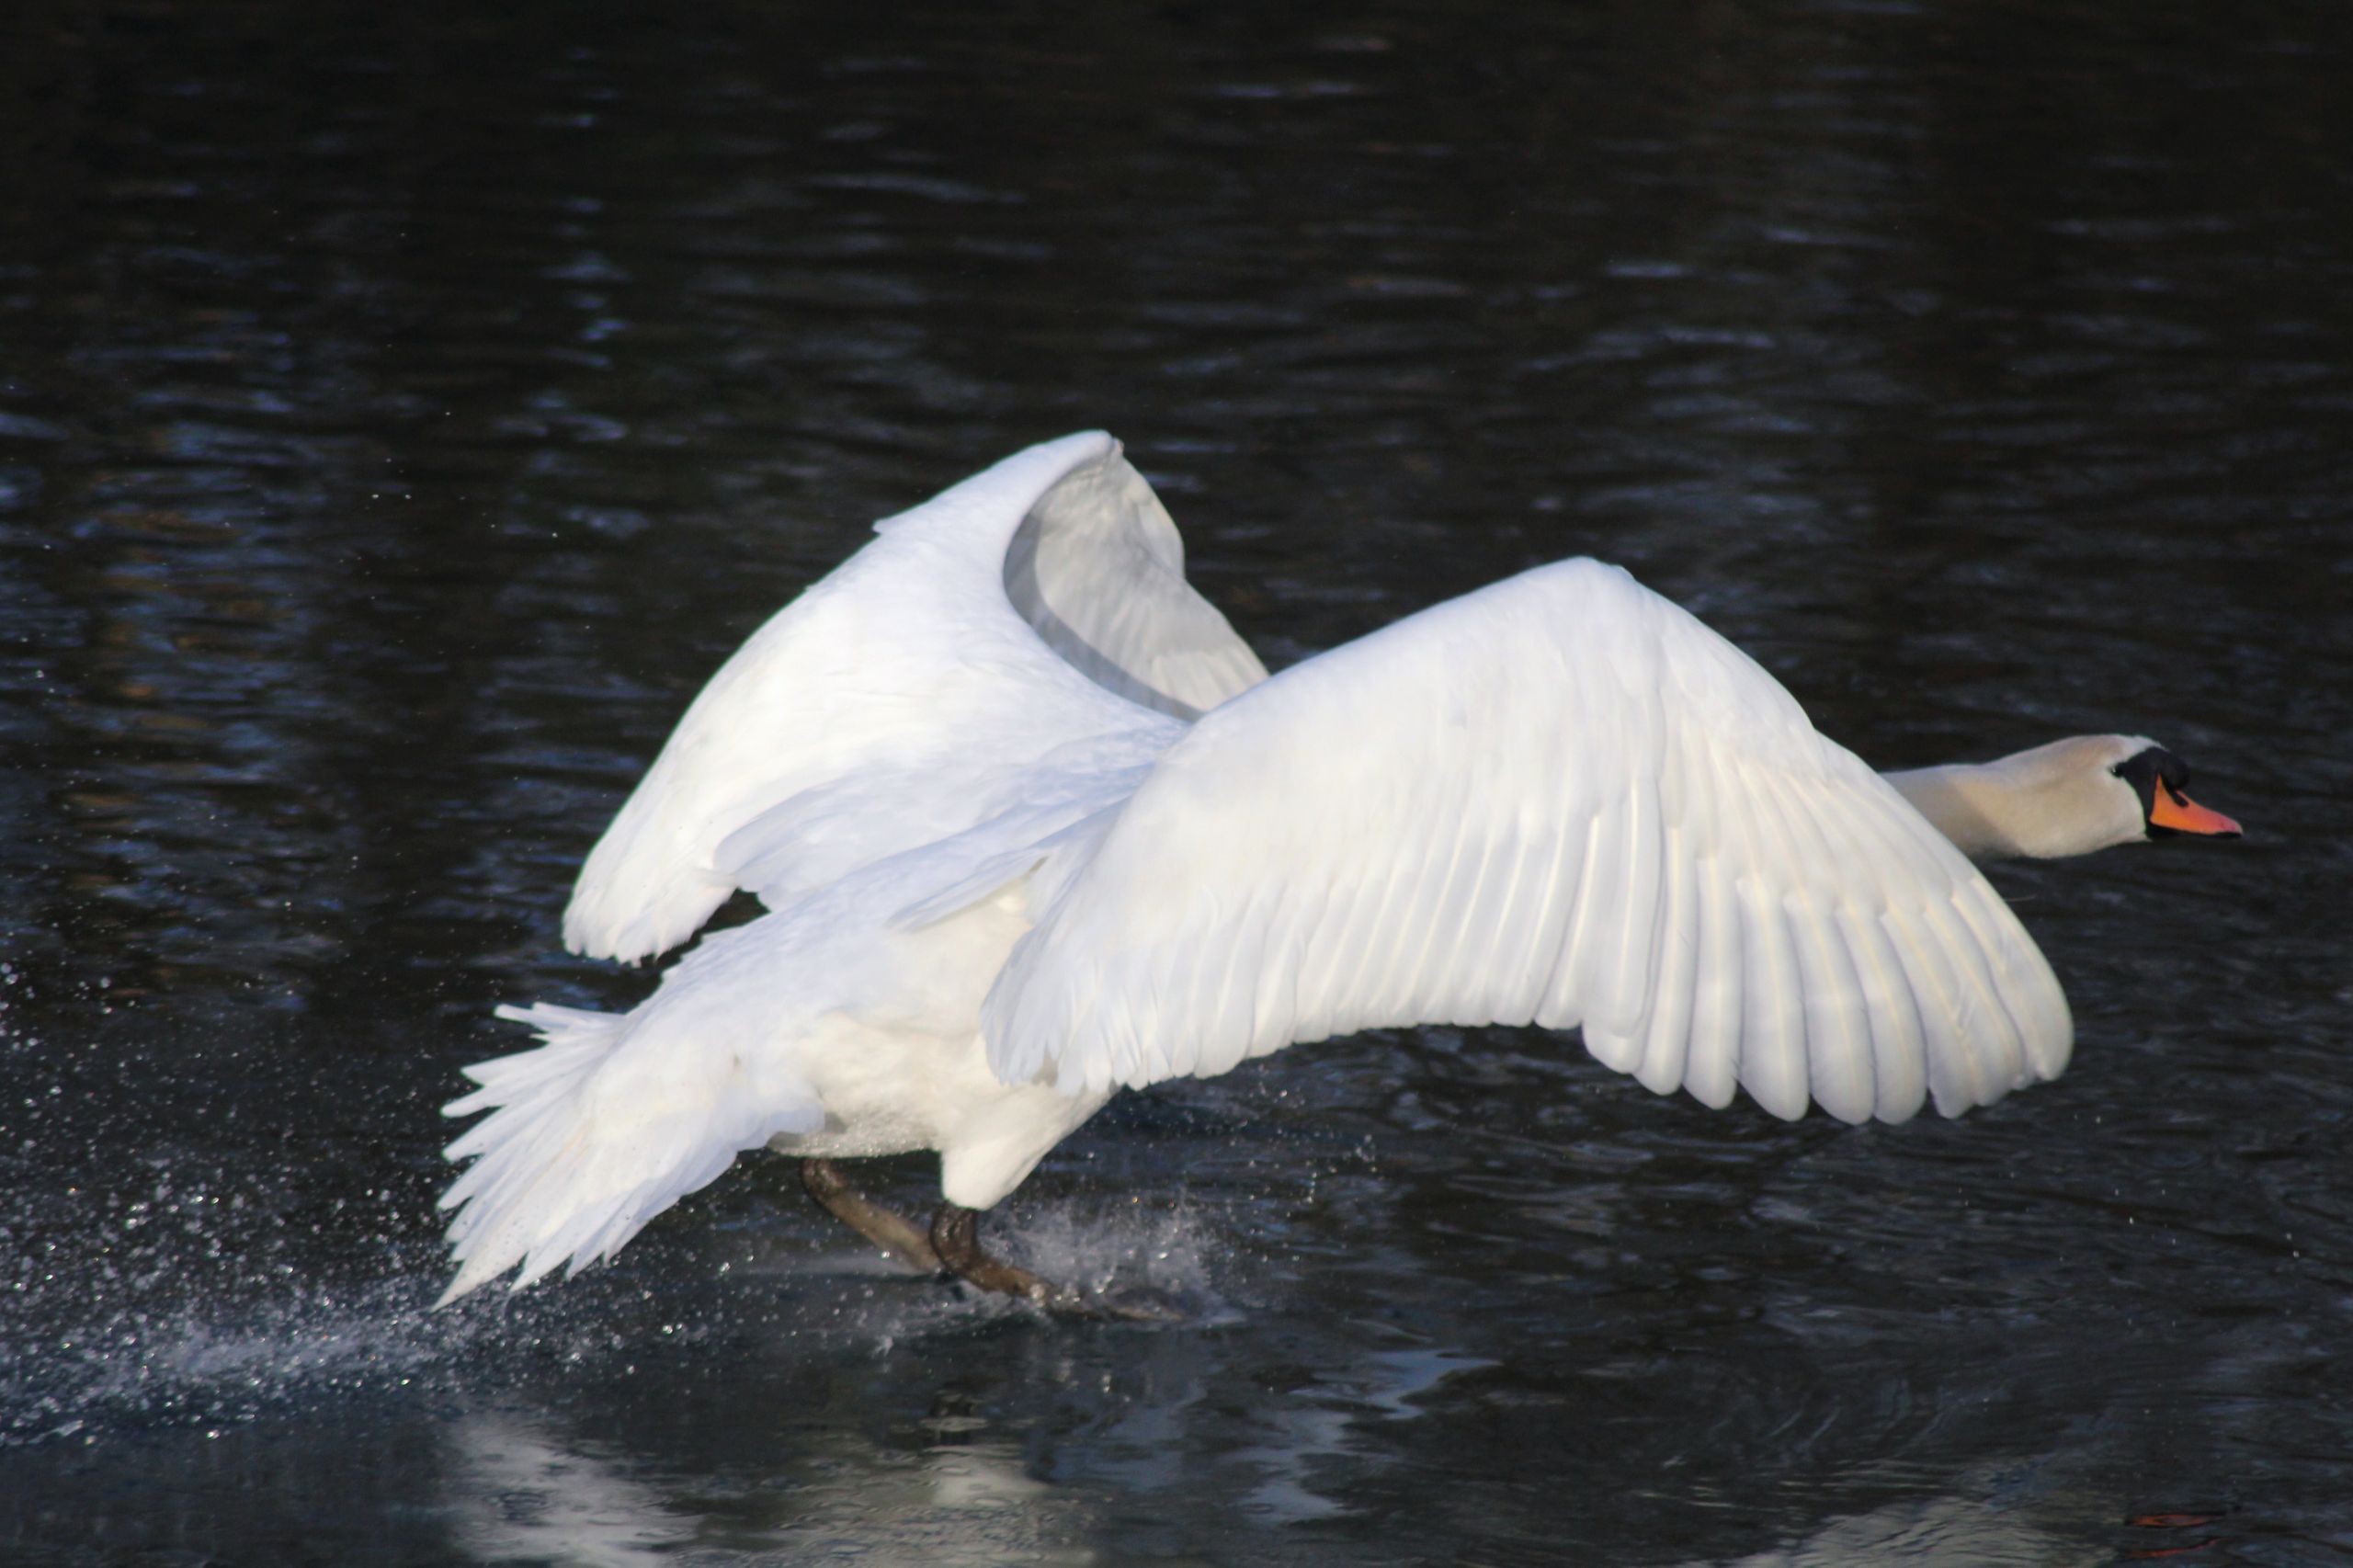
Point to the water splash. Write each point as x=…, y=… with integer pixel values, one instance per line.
x=136, y=1367
x=125, y=1346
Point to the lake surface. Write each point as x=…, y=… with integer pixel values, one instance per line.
x=403, y=410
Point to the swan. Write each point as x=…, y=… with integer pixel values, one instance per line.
x=1033, y=825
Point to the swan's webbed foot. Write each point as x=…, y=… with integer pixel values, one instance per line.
x=890, y=1230
x=955, y=1239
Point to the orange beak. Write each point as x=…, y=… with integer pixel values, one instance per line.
x=2169, y=808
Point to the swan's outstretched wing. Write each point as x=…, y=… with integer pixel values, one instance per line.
x=1560, y=799
x=881, y=708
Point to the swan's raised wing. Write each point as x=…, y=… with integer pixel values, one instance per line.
x=898, y=701
x=1560, y=799
x=1097, y=569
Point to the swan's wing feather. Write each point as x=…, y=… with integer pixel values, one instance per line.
x=891, y=703
x=1097, y=567
x=1559, y=800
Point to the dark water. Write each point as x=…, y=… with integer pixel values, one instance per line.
x=403, y=408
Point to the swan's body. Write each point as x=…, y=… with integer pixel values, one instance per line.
x=1033, y=825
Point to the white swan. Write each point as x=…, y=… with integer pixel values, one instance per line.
x=1033, y=825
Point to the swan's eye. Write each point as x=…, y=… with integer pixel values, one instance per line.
x=2143, y=770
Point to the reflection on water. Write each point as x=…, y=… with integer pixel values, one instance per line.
x=966, y=1501
x=402, y=412
x=956, y=1484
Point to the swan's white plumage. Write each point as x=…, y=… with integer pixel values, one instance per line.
x=609, y=1122
x=1033, y=823
x=838, y=1025
x=863, y=718
x=1097, y=568
x=1467, y=818
x=888, y=750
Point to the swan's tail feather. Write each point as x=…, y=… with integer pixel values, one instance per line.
x=590, y=1135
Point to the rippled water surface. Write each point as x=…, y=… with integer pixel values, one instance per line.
x=403, y=408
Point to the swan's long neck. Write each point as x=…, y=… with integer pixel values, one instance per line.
x=1968, y=803
x=2053, y=801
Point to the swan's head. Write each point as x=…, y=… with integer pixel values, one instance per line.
x=2070, y=797
x=2157, y=779
x=2089, y=792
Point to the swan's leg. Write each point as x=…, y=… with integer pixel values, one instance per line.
x=956, y=1241
x=955, y=1237
x=893, y=1232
